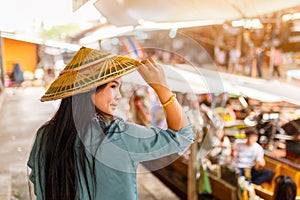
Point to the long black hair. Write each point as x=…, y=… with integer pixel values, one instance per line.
x=57, y=148
x=285, y=188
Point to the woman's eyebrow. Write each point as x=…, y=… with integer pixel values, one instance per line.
x=116, y=82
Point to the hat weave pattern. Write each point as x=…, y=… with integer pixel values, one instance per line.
x=87, y=70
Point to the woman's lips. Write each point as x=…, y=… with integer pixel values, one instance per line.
x=114, y=106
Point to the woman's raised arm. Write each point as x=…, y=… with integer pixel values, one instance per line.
x=154, y=75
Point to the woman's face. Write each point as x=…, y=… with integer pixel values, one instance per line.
x=106, y=99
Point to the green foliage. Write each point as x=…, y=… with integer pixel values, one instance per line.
x=61, y=33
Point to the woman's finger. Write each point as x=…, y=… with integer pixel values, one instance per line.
x=151, y=64
x=151, y=60
x=143, y=70
x=138, y=63
x=154, y=64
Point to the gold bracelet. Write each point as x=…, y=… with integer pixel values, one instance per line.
x=171, y=99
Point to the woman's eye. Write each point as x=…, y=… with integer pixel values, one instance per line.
x=113, y=86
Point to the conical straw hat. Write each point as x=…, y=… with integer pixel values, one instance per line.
x=88, y=69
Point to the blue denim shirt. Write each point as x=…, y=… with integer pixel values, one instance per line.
x=122, y=148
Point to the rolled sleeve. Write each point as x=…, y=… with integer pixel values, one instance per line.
x=150, y=143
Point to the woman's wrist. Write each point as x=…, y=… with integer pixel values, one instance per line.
x=163, y=92
x=170, y=100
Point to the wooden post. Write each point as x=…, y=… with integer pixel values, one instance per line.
x=192, y=193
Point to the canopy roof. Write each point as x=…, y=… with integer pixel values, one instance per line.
x=201, y=81
x=131, y=12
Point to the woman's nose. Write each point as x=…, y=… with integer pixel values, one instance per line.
x=118, y=96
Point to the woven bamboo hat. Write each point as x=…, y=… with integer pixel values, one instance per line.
x=88, y=69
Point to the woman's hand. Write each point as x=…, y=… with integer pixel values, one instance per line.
x=152, y=73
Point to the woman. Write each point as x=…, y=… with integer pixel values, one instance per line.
x=285, y=188
x=84, y=151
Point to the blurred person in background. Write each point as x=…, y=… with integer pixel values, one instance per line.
x=277, y=61
x=221, y=152
x=139, y=107
x=249, y=158
x=293, y=148
x=259, y=61
x=18, y=77
x=285, y=188
x=249, y=58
